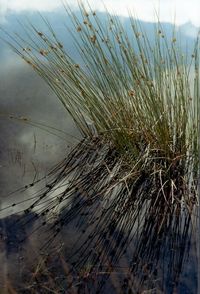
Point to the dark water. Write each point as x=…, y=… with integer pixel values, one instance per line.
x=27, y=153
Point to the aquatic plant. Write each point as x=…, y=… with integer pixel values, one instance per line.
x=135, y=171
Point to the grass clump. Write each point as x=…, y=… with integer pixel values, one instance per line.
x=137, y=106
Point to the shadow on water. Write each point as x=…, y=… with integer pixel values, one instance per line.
x=88, y=236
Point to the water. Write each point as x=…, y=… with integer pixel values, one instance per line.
x=26, y=154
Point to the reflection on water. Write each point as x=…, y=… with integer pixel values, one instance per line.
x=25, y=149
x=101, y=244
x=160, y=264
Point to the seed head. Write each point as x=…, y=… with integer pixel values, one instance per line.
x=93, y=38
x=26, y=49
x=82, y=92
x=43, y=52
x=53, y=47
x=28, y=61
x=131, y=93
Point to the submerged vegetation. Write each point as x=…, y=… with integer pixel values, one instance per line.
x=130, y=185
